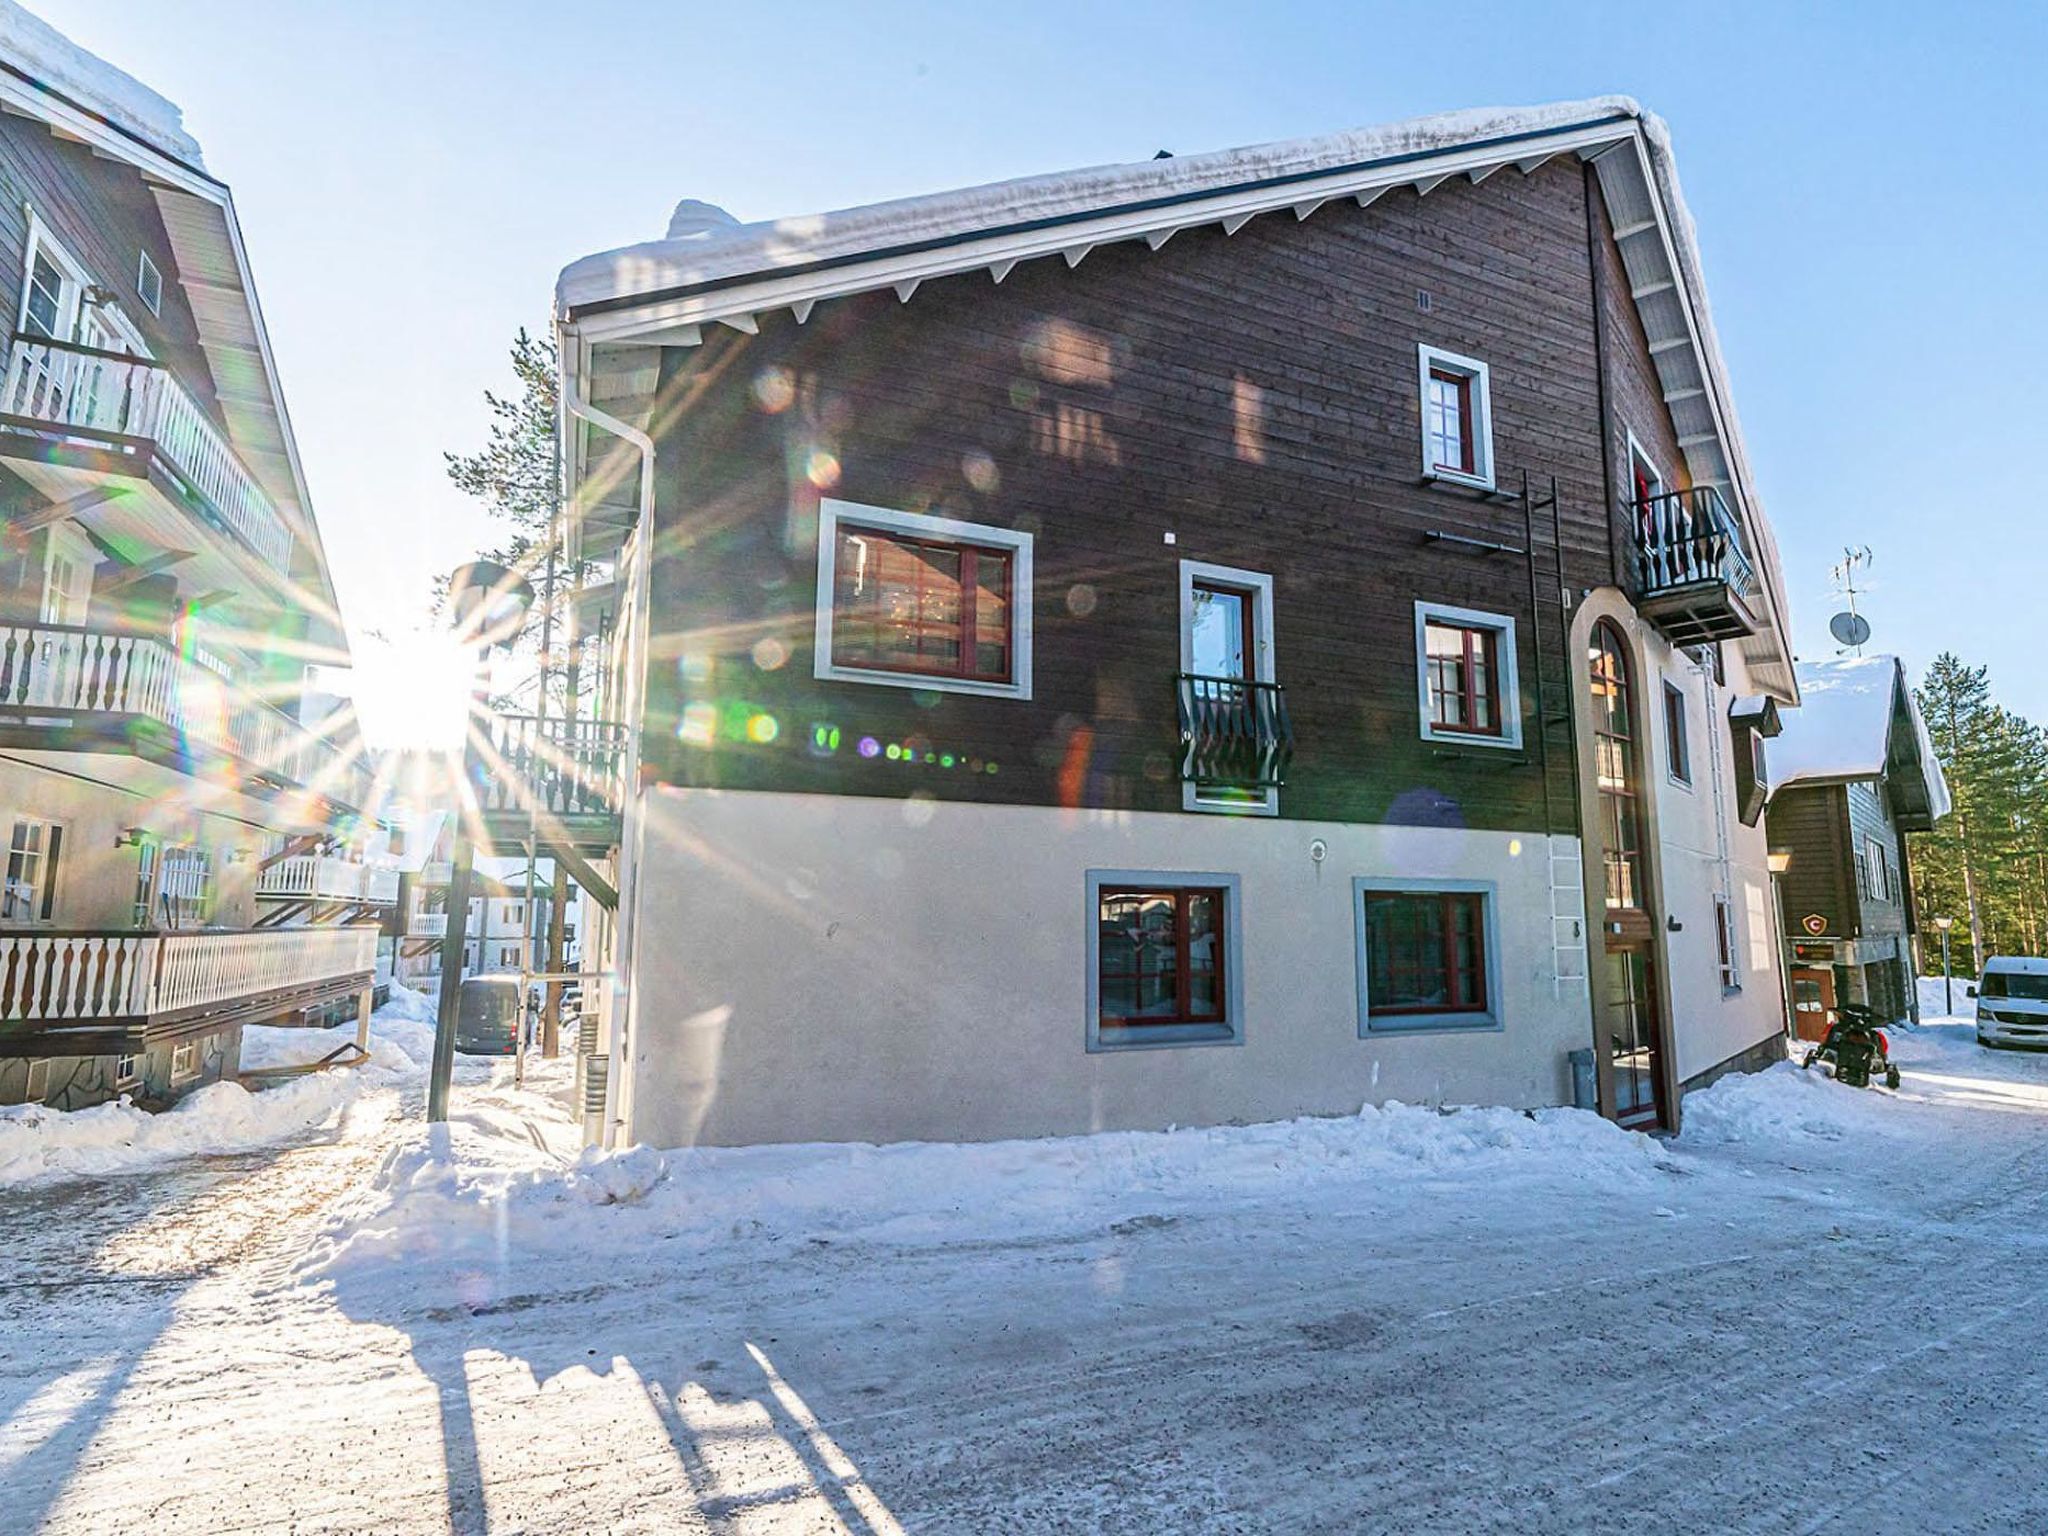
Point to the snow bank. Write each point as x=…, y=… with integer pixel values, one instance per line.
x=1780, y=1103
x=39, y=1143
x=467, y=1196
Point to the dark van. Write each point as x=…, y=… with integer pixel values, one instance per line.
x=487, y=1016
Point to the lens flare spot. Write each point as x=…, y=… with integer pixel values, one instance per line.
x=1514, y=847
x=770, y=653
x=1081, y=599
x=774, y=390
x=869, y=747
x=822, y=469
x=700, y=725
x=945, y=760
x=981, y=472
x=894, y=751
x=824, y=739
x=919, y=809
x=762, y=729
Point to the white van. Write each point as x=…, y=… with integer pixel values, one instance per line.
x=2012, y=1002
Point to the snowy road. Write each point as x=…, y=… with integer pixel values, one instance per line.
x=1817, y=1313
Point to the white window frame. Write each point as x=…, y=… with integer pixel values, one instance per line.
x=925, y=526
x=128, y=1069
x=1671, y=774
x=38, y=1086
x=145, y=270
x=1510, y=701
x=1636, y=451
x=49, y=870
x=70, y=270
x=1726, y=931
x=184, y=1061
x=1427, y=358
x=1880, y=879
x=66, y=541
x=1260, y=585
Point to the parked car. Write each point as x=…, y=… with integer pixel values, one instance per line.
x=487, y=1016
x=2012, y=1001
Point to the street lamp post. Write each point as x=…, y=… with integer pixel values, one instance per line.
x=1948, y=981
x=488, y=604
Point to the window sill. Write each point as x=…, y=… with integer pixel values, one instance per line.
x=1151, y=1037
x=1452, y=480
x=1192, y=800
x=1478, y=747
x=921, y=682
x=1432, y=1024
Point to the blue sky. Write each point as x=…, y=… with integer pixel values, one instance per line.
x=411, y=177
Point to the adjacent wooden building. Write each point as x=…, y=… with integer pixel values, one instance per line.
x=185, y=834
x=1854, y=771
x=1206, y=639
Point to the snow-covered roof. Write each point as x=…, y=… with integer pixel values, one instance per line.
x=34, y=48
x=714, y=252
x=617, y=306
x=1857, y=719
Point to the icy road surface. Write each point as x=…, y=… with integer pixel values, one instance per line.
x=1817, y=1312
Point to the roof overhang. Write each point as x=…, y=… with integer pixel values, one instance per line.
x=610, y=343
x=213, y=272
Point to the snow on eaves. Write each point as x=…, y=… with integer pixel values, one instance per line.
x=714, y=252
x=37, y=49
x=1843, y=727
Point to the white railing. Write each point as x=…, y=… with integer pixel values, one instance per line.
x=427, y=925
x=320, y=877
x=110, y=393
x=90, y=672
x=437, y=872
x=64, y=977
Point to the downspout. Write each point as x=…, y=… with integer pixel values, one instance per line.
x=633, y=825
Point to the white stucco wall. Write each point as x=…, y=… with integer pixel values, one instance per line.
x=838, y=968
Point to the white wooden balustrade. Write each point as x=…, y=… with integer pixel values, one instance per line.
x=58, y=978
x=428, y=925
x=105, y=672
x=323, y=878
x=109, y=393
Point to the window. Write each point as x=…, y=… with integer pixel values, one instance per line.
x=38, y=1086
x=149, y=284
x=1878, y=880
x=1646, y=484
x=145, y=883
x=1163, y=958
x=508, y=954
x=68, y=561
x=1468, y=689
x=46, y=306
x=127, y=1070
x=184, y=1061
x=1226, y=647
x=185, y=892
x=1457, y=418
x=1676, y=745
x=1724, y=945
x=1425, y=955
x=1614, y=766
x=924, y=602
x=30, y=894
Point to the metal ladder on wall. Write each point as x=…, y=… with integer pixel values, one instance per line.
x=1570, y=953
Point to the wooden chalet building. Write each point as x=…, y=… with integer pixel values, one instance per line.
x=184, y=851
x=1852, y=773
x=1215, y=638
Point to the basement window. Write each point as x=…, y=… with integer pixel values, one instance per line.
x=1164, y=961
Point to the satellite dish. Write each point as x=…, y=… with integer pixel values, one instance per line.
x=1850, y=629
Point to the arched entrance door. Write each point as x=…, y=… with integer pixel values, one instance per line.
x=1631, y=1077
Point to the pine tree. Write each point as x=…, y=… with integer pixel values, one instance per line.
x=1956, y=701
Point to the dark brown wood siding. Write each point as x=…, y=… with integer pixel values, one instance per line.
x=1254, y=397
x=1813, y=822
x=104, y=216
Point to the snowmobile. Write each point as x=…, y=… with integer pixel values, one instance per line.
x=1855, y=1048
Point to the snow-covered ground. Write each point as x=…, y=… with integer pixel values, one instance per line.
x=1811, y=1313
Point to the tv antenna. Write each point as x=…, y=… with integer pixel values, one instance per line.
x=1850, y=629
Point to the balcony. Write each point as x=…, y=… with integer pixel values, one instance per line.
x=1233, y=734
x=1693, y=577
x=427, y=925
x=78, y=414
x=72, y=688
x=315, y=877
x=557, y=776
x=436, y=872
x=90, y=993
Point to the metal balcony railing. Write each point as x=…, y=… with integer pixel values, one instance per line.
x=555, y=767
x=64, y=675
x=1686, y=538
x=1233, y=733
x=59, y=978
x=63, y=386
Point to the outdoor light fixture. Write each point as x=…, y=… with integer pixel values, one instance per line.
x=1780, y=860
x=129, y=837
x=1944, y=923
x=488, y=602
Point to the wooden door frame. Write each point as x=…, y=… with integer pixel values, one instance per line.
x=1609, y=604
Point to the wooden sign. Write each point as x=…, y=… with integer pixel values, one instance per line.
x=1814, y=924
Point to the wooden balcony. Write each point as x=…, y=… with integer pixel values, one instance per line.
x=74, y=418
x=558, y=778
x=318, y=878
x=1233, y=734
x=1693, y=577
x=76, y=993
x=100, y=689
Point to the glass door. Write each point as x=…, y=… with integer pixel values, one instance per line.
x=1632, y=1037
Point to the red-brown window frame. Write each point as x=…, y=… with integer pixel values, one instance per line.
x=1467, y=694
x=1181, y=896
x=1468, y=433
x=1448, y=902
x=969, y=627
